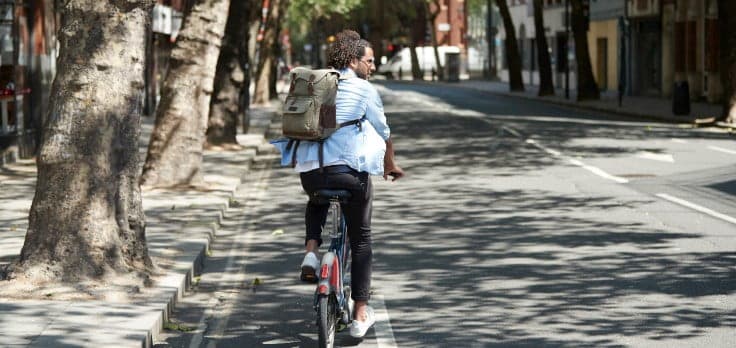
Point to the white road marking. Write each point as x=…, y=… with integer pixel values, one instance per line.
x=656, y=156
x=699, y=208
x=384, y=333
x=598, y=171
x=716, y=148
x=680, y=141
x=594, y=170
x=555, y=153
x=211, y=311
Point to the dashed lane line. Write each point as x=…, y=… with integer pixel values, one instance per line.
x=720, y=149
x=257, y=189
x=699, y=208
x=621, y=180
x=598, y=171
x=592, y=169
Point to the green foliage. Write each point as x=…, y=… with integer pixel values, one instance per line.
x=172, y=326
x=475, y=6
x=302, y=15
x=301, y=11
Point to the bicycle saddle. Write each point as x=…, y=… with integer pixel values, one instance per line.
x=325, y=195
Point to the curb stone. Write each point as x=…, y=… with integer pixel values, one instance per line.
x=181, y=226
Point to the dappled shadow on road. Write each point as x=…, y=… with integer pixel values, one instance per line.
x=486, y=243
x=508, y=270
x=556, y=126
x=466, y=262
x=459, y=145
x=490, y=243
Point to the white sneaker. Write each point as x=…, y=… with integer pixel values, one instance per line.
x=309, y=268
x=359, y=328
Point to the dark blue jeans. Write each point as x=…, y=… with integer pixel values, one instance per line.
x=357, y=214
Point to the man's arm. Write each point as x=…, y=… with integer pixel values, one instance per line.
x=389, y=166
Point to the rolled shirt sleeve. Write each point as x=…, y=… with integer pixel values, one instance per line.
x=374, y=113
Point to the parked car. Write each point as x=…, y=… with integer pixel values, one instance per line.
x=399, y=66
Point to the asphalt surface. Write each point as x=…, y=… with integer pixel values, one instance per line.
x=519, y=224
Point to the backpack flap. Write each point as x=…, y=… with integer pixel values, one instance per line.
x=300, y=119
x=309, y=109
x=303, y=80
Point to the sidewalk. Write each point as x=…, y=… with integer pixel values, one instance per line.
x=651, y=108
x=180, y=227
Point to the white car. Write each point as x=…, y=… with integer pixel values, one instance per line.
x=399, y=66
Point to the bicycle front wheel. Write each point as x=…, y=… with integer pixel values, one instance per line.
x=327, y=320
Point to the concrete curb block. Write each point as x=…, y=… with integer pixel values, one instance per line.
x=256, y=145
x=181, y=228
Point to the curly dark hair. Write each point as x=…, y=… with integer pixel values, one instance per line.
x=347, y=46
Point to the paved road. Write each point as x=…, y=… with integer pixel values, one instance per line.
x=518, y=225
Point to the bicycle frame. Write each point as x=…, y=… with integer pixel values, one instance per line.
x=333, y=268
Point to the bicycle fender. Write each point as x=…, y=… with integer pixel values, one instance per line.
x=328, y=274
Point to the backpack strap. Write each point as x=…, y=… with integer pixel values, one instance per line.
x=356, y=122
x=293, y=144
x=321, y=156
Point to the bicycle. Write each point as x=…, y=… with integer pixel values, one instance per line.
x=332, y=297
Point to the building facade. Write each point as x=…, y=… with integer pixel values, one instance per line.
x=560, y=44
x=643, y=47
x=451, y=24
x=28, y=50
x=605, y=42
x=690, y=37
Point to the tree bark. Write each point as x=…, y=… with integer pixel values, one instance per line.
x=433, y=31
x=276, y=50
x=416, y=71
x=587, y=87
x=491, y=42
x=266, y=57
x=175, y=150
x=545, y=66
x=86, y=220
x=227, y=105
x=726, y=22
x=408, y=15
x=516, y=83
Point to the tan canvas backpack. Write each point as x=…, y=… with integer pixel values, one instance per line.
x=309, y=109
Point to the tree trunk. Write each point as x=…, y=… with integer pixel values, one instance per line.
x=433, y=31
x=491, y=42
x=411, y=17
x=175, y=150
x=726, y=22
x=516, y=83
x=266, y=58
x=416, y=71
x=86, y=220
x=226, y=105
x=276, y=50
x=587, y=87
x=545, y=66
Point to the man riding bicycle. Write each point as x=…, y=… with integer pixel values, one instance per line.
x=350, y=156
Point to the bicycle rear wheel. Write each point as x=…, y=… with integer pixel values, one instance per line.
x=327, y=320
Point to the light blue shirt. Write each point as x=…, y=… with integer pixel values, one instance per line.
x=361, y=148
